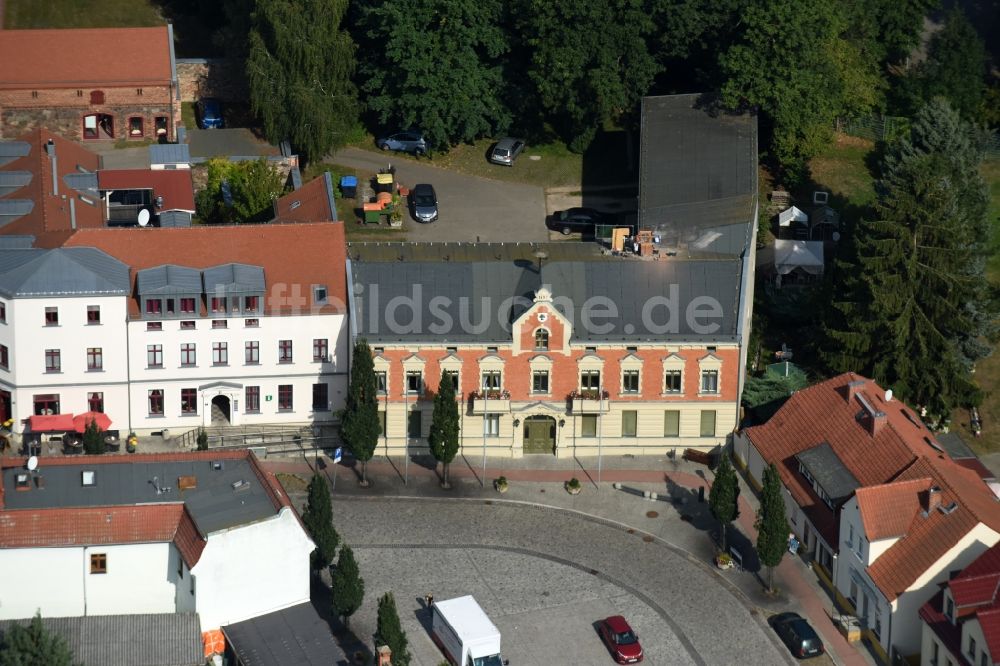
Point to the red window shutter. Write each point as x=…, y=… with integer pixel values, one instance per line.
x=97, y=97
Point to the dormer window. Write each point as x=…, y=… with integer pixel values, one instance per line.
x=154, y=306
x=949, y=608
x=251, y=303
x=541, y=339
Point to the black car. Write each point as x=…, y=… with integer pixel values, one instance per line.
x=577, y=220
x=795, y=632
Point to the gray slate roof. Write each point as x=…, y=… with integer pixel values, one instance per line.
x=11, y=181
x=829, y=472
x=295, y=636
x=234, y=279
x=61, y=272
x=483, y=289
x=954, y=445
x=169, y=153
x=168, y=280
x=214, y=504
x=698, y=173
x=172, y=639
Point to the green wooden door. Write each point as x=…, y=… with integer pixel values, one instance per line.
x=539, y=436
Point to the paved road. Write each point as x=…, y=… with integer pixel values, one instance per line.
x=472, y=208
x=544, y=576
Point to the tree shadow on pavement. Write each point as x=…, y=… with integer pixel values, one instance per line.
x=321, y=599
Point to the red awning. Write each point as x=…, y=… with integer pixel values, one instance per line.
x=55, y=422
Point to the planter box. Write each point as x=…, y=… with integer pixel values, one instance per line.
x=491, y=405
x=590, y=405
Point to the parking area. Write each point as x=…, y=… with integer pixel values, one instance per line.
x=238, y=142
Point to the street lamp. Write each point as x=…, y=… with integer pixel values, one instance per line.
x=541, y=255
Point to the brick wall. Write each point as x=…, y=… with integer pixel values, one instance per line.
x=211, y=77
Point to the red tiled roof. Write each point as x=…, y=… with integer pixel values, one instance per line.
x=950, y=634
x=92, y=57
x=50, y=221
x=977, y=466
x=928, y=538
x=887, y=510
x=976, y=585
x=823, y=413
x=989, y=621
x=98, y=526
x=174, y=185
x=310, y=203
x=294, y=257
x=975, y=590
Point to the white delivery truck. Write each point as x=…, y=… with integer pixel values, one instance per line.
x=465, y=634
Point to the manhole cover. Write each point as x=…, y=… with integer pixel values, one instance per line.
x=630, y=531
x=489, y=501
x=647, y=538
x=652, y=514
x=686, y=518
x=542, y=490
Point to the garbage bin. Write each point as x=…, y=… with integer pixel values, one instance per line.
x=349, y=186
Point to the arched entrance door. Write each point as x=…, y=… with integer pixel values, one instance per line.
x=539, y=434
x=221, y=410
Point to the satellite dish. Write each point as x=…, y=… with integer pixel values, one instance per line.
x=143, y=217
x=32, y=463
x=888, y=395
x=836, y=236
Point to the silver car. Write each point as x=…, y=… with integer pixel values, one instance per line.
x=405, y=142
x=506, y=151
x=424, y=202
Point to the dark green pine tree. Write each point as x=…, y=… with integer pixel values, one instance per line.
x=390, y=631
x=772, y=524
x=915, y=309
x=359, y=426
x=443, y=437
x=347, y=586
x=723, y=497
x=93, y=440
x=299, y=67
x=33, y=645
x=318, y=519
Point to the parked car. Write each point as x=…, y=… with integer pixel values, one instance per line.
x=620, y=640
x=424, y=202
x=506, y=151
x=209, y=113
x=410, y=141
x=579, y=220
x=795, y=632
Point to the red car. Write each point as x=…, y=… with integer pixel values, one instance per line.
x=620, y=640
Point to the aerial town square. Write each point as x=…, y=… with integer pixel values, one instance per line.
x=499, y=333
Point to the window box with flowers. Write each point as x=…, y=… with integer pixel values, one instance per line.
x=491, y=400
x=589, y=401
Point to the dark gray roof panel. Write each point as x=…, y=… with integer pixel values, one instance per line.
x=168, y=280
x=17, y=242
x=62, y=272
x=12, y=150
x=214, y=503
x=13, y=209
x=295, y=636
x=467, y=301
x=830, y=473
x=955, y=446
x=234, y=279
x=169, y=153
x=85, y=183
x=175, y=218
x=168, y=639
x=11, y=181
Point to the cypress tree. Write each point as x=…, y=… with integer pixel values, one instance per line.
x=390, y=631
x=30, y=644
x=359, y=426
x=347, y=586
x=93, y=442
x=443, y=437
x=318, y=519
x=772, y=524
x=723, y=496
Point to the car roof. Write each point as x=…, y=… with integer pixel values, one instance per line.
x=507, y=142
x=423, y=188
x=617, y=624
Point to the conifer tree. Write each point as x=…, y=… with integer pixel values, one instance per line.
x=318, y=519
x=359, y=426
x=390, y=631
x=93, y=441
x=772, y=524
x=443, y=437
x=723, y=497
x=31, y=644
x=347, y=586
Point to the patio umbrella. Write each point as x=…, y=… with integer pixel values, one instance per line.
x=80, y=421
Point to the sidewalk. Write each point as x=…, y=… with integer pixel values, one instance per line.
x=538, y=479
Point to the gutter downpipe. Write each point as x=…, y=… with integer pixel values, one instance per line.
x=175, y=88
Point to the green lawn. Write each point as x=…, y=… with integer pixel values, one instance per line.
x=80, y=14
x=842, y=169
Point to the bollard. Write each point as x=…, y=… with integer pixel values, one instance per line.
x=616, y=485
x=654, y=496
x=645, y=494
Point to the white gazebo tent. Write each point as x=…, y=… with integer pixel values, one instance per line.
x=793, y=261
x=790, y=216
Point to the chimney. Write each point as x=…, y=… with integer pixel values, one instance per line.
x=878, y=422
x=853, y=388
x=932, y=499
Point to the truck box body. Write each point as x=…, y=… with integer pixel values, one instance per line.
x=464, y=632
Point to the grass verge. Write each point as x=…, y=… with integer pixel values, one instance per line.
x=81, y=14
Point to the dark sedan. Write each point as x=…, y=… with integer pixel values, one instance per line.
x=795, y=632
x=577, y=220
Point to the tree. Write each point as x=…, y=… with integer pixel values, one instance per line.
x=795, y=64
x=390, y=631
x=437, y=67
x=93, y=440
x=202, y=440
x=587, y=62
x=443, y=437
x=915, y=310
x=772, y=524
x=723, y=497
x=347, y=586
x=359, y=426
x=955, y=69
x=238, y=192
x=318, y=519
x=759, y=391
x=299, y=69
x=33, y=645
